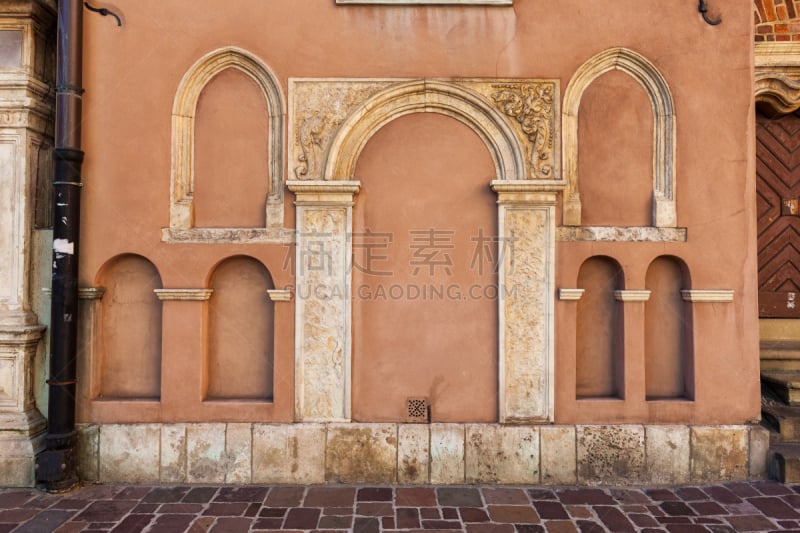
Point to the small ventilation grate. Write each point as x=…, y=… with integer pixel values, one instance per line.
x=418, y=410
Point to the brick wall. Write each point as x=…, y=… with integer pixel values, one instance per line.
x=777, y=20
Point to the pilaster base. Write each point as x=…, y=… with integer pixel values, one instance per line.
x=22, y=427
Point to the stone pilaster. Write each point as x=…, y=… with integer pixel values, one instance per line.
x=526, y=211
x=25, y=139
x=323, y=308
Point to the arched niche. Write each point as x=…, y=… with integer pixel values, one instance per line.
x=600, y=337
x=183, y=131
x=668, y=331
x=129, y=340
x=664, y=212
x=241, y=330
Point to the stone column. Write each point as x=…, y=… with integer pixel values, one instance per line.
x=25, y=132
x=323, y=299
x=526, y=210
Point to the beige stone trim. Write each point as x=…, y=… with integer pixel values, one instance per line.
x=183, y=119
x=302, y=453
x=323, y=352
x=643, y=71
x=707, y=296
x=777, y=75
x=570, y=295
x=620, y=234
x=227, y=235
x=91, y=293
x=184, y=295
x=631, y=296
x=280, y=295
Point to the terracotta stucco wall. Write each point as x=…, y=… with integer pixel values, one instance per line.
x=131, y=76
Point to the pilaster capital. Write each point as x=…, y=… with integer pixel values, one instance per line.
x=527, y=192
x=328, y=192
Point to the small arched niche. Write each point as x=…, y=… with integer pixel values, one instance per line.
x=240, y=343
x=599, y=360
x=130, y=329
x=231, y=147
x=668, y=331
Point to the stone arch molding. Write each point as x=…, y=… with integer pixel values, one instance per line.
x=425, y=96
x=664, y=213
x=332, y=121
x=183, y=136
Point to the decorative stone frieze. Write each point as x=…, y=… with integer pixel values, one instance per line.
x=332, y=119
x=323, y=308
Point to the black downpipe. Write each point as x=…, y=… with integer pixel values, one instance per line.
x=56, y=465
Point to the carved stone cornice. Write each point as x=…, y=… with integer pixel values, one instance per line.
x=777, y=75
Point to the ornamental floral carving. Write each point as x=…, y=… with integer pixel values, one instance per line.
x=531, y=106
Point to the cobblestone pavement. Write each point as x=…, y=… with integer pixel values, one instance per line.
x=753, y=506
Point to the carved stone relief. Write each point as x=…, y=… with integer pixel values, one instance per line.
x=322, y=336
x=320, y=108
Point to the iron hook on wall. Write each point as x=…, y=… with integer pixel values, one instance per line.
x=703, y=8
x=103, y=11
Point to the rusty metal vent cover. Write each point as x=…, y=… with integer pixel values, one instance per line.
x=418, y=410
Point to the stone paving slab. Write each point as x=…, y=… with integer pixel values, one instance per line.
x=731, y=507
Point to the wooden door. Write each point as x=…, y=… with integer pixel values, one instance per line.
x=778, y=191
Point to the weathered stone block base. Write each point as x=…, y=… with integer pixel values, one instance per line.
x=21, y=439
x=420, y=454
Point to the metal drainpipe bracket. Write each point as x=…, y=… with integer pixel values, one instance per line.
x=103, y=11
x=703, y=9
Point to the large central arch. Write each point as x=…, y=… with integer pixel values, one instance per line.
x=324, y=221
